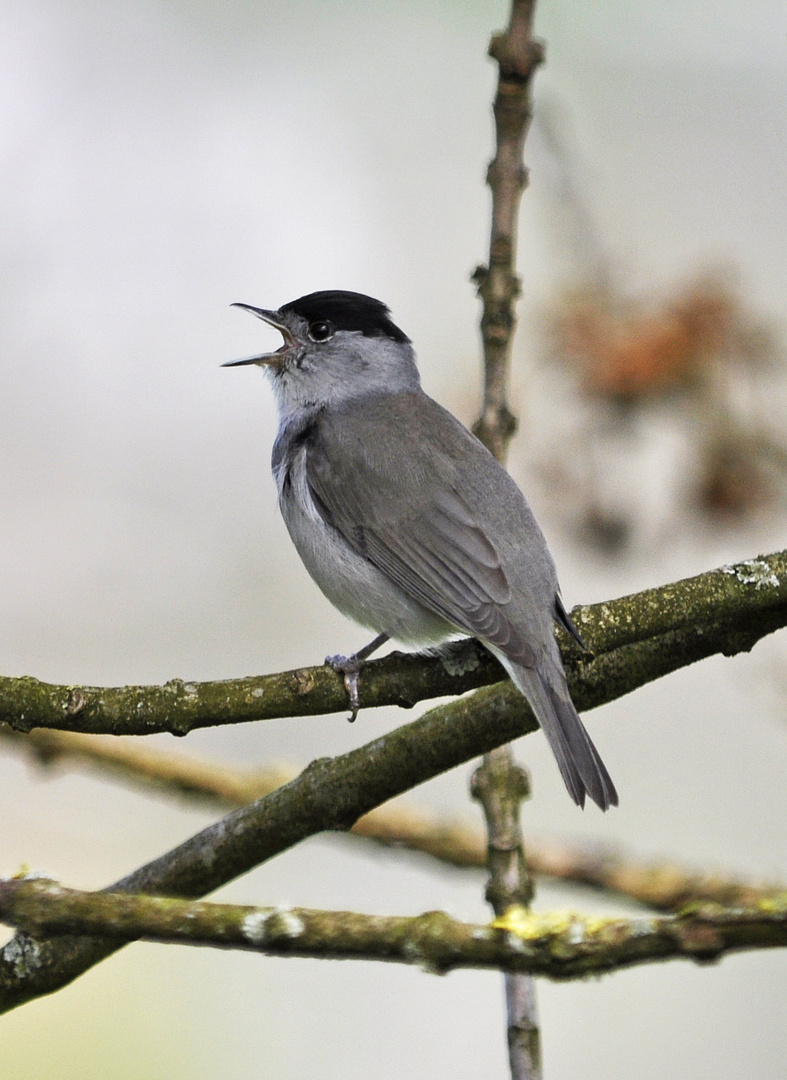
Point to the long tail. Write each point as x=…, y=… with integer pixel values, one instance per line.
x=579, y=762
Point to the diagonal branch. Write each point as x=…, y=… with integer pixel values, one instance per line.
x=332, y=793
x=633, y=640
x=659, y=884
x=555, y=945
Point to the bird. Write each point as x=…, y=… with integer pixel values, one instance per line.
x=404, y=519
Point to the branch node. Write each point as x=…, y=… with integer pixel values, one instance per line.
x=76, y=701
x=303, y=681
x=500, y=785
x=516, y=61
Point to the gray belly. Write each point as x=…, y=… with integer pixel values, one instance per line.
x=353, y=585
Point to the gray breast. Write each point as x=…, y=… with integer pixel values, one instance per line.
x=351, y=582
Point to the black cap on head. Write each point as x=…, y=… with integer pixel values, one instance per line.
x=347, y=311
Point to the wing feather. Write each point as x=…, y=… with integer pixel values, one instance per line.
x=437, y=551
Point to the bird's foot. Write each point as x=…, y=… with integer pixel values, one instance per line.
x=349, y=667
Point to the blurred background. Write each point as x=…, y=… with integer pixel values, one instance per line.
x=160, y=160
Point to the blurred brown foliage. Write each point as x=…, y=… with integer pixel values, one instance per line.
x=700, y=352
x=628, y=352
x=696, y=359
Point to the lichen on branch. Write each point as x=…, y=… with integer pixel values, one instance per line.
x=724, y=611
x=631, y=641
x=555, y=945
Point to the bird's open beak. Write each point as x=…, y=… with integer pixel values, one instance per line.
x=274, y=359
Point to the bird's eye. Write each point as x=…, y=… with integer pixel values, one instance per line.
x=321, y=330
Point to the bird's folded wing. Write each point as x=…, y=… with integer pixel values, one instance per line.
x=423, y=536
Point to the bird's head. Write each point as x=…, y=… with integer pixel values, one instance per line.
x=337, y=346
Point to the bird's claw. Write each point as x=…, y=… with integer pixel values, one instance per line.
x=349, y=668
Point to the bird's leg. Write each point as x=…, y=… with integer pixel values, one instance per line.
x=350, y=666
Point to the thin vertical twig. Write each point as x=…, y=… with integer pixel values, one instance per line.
x=499, y=783
x=517, y=55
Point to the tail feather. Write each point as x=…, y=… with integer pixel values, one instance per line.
x=579, y=762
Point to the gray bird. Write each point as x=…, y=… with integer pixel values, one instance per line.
x=404, y=519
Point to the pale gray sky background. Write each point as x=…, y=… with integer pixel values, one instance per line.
x=160, y=160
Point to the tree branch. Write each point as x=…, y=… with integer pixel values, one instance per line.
x=334, y=793
x=146, y=766
x=664, y=886
x=500, y=785
x=555, y=945
x=518, y=55
x=633, y=640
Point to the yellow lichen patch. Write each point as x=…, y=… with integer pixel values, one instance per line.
x=773, y=905
x=529, y=926
x=575, y=929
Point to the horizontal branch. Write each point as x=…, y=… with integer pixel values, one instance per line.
x=664, y=886
x=555, y=945
x=726, y=610
x=332, y=793
x=147, y=766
